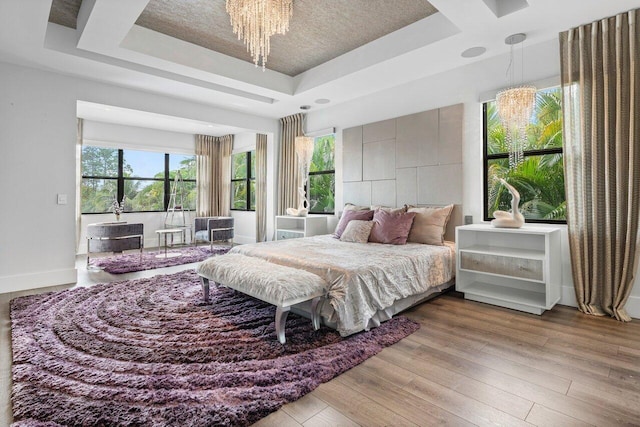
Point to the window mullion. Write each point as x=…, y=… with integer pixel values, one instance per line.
x=120, y=190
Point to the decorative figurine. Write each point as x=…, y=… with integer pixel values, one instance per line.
x=513, y=219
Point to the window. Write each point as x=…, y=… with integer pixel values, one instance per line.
x=243, y=181
x=322, y=176
x=540, y=177
x=143, y=178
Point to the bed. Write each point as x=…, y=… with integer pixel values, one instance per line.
x=367, y=283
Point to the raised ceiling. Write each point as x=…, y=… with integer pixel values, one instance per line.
x=320, y=30
x=130, y=43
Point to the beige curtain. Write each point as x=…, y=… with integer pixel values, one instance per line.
x=601, y=81
x=290, y=127
x=213, y=175
x=261, y=187
x=79, y=141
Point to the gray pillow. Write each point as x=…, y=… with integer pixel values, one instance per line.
x=357, y=231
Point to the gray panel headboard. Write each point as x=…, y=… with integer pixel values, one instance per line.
x=413, y=160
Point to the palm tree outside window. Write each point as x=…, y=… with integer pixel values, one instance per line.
x=540, y=177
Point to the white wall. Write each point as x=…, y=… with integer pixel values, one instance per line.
x=137, y=138
x=463, y=85
x=37, y=162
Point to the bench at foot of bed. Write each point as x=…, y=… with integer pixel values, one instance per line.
x=272, y=283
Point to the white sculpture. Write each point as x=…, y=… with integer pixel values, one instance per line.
x=301, y=211
x=513, y=219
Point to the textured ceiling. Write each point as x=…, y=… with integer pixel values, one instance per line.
x=319, y=30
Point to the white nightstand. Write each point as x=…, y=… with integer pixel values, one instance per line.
x=514, y=268
x=291, y=227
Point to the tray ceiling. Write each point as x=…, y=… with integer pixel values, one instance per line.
x=320, y=30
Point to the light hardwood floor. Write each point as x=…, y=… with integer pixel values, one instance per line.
x=469, y=364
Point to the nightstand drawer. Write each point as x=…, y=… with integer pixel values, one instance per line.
x=523, y=268
x=282, y=235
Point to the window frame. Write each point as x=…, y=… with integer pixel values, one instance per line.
x=307, y=184
x=486, y=157
x=247, y=180
x=120, y=181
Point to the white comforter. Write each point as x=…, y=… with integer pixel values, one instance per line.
x=363, y=277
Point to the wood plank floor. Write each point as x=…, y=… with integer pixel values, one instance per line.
x=469, y=364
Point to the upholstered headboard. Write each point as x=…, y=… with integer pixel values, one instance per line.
x=413, y=160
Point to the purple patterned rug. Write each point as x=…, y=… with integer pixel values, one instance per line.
x=130, y=262
x=150, y=352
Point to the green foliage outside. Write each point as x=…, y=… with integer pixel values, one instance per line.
x=239, y=188
x=140, y=195
x=322, y=187
x=539, y=178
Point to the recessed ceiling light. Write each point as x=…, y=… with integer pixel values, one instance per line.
x=323, y=101
x=515, y=39
x=472, y=52
x=209, y=126
x=305, y=107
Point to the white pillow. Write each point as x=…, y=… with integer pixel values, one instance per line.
x=357, y=231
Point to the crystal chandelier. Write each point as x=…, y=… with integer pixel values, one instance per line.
x=255, y=21
x=515, y=106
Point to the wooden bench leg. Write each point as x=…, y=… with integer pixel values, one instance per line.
x=315, y=315
x=205, y=289
x=281, y=318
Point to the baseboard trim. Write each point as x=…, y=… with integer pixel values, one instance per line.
x=633, y=306
x=43, y=279
x=569, y=298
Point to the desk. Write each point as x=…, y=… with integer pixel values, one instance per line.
x=170, y=232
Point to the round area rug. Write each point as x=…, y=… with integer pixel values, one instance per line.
x=149, y=352
x=127, y=263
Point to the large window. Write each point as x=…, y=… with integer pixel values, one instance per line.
x=321, y=185
x=322, y=176
x=540, y=177
x=243, y=181
x=144, y=179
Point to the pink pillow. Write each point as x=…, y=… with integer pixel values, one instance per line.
x=348, y=216
x=391, y=228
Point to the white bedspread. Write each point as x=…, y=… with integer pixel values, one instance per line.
x=363, y=277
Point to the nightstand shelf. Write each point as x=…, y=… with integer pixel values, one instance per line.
x=514, y=268
x=291, y=227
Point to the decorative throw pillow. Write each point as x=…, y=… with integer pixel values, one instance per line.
x=357, y=231
x=390, y=210
x=429, y=225
x=349, y=215
x=352, y=207
x=391, y=228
